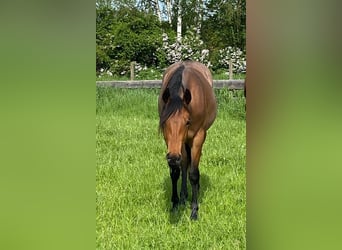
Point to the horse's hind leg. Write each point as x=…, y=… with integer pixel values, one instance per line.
x=194, y=174
x=194, y=177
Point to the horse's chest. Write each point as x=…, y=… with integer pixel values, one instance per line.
x=192, y=133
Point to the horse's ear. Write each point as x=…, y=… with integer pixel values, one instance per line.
x=187, y=96
x=166, y=95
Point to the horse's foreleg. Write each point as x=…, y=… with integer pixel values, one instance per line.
x=186, y=156
x=174, y=173
x=184, y=189
x=194, y=174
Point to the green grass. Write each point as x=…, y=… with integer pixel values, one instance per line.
x=157, y=75
x=224, y=76
x=133, y=187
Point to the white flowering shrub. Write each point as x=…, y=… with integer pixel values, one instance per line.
x=143, y=72
x=171, y=51
x=236, y=55
x=191, y=47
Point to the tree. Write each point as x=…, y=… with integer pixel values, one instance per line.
x=126, y=35
x=230, y=16
x=131, y=30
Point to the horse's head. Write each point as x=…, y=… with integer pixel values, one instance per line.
x=175, y=132
x=175, y=127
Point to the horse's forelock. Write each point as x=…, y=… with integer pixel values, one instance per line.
x=174, y=104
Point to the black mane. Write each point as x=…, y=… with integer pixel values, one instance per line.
x=173, y=102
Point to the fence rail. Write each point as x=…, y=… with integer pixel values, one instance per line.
x=229, y=84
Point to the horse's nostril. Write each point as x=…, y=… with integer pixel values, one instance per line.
x=178, y=158
x=173, y=159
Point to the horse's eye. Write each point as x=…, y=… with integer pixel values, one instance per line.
x=187, y=122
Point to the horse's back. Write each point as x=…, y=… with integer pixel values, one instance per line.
x=196, y=66
x=201, y=69
x=198, y=79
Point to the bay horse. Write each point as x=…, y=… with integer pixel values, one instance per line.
x=187, y=108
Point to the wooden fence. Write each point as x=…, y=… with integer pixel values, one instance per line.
x=229, y=84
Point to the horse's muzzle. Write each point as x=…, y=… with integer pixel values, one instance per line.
x=173, y=159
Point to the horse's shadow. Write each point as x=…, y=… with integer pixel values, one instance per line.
x=176, y=215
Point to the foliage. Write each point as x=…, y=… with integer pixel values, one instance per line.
x=131, y=31
x=191, y=47
x=225, y=24
x=144, y=73
x=231, y=54
x=133, y=186
x=126, y=35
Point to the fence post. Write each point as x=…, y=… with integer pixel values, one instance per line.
x=230, y=69
x=132, y=70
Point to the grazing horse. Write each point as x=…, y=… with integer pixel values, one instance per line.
x=187, y=108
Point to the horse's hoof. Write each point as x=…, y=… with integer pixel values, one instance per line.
x=174, y=207
x=194, y=215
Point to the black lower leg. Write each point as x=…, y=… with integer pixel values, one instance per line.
x=194, y=177
x=174, y=173
x=186, y=163
x=184, y=189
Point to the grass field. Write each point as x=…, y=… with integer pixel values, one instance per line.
x=157, y=75
x=133, y=186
